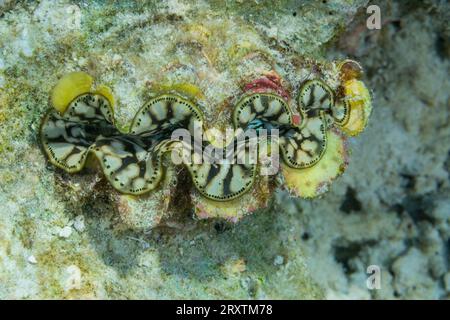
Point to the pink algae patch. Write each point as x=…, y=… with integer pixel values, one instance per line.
x=269, y=82
x=296, y=119
x=201, y=211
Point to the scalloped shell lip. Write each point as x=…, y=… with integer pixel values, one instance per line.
x=194, y=106
x=47, y=152
x=315, y=180
x=235, y=209
x=41, y=135
x=250, y=96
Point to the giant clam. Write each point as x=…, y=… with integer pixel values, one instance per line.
x=310, y=139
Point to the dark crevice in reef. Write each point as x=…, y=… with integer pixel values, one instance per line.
x=447, y=164
x=443, y=46
x=222, y=226
x=447, y=250
x=345, y=252
x=306, y=236
x=351, y=202
x=180, y=199
x=417, y=207
x=397, y=208
x=408, y=181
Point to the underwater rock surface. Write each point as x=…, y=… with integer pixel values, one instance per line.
x=74, y=236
